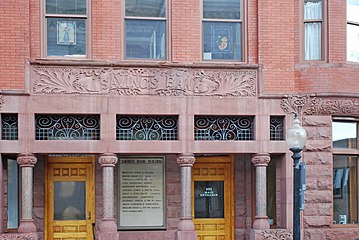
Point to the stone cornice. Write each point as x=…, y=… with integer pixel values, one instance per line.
x=131, y=81
x=186, y=160
x=313, y=105
x=260, y=159
x=26, y=160
x=108, y=160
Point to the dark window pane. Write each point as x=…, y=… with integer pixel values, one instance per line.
x=345, y=135
x=222, y=41
x=13, y=194
x=145, y=39
x=66, y=37
x=66, y=7
x=225, y=9
x=69, y=200
x=208, y=199
x=145, y=8
x=271, y=192
x=345, y=189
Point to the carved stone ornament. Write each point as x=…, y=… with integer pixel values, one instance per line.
x=26, y=160
x=144, y=81
x=108, y=160
x=337, y=106
x=18, y=236
x=186, y=160
x=277, y=234
x=261, y=159
x=299, y=104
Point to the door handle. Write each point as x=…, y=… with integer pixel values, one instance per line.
x=89, y=215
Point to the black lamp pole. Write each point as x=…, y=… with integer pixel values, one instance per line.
x=296, y=193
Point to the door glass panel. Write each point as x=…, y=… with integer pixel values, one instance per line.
x=69, y=200
x=209, y=199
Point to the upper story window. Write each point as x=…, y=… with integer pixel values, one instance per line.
x=222, y=30
x=66, y=24
x=145, y=24
x=353, y=30
x=313, y=16
x=345, y=171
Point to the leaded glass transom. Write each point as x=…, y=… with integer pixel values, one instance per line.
x=9, y=126
x=163, y=128
x=276, y=128
x=67, y=127
x=224, y=128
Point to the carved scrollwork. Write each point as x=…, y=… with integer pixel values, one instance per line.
x=277, y=234
x=144, y=81
x=336, y=106
x=2, y=102
x=186, y=160
x=299, y=104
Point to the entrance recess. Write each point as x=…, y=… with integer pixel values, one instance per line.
x=213, y=202
x=69, y=198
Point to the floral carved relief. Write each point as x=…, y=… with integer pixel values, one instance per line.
x=261, y=159
x=186, y=160
x=26, y=160
x=277, y=234
x=311, y=105
x=144, y=81
x=107, y=160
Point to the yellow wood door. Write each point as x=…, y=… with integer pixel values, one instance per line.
x=212, y=201
x=69, y=201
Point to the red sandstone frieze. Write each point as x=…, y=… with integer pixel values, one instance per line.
x=144, y=81
x=311, y=105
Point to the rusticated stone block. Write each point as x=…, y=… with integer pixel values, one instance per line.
x=318, y=146
x=319, y=133
x=317, y=221
x=317, y=121
x=318, y=197
x=325, y=183
x=348, y=233
x=317, y=157
x=314, y=234
x=312, y=183
x=324, y=171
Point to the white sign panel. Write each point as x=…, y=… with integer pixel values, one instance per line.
x=141, y=193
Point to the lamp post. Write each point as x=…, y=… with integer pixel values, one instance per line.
x=296, y=138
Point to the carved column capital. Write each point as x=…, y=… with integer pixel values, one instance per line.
x=26, y=160
x=186, y=160
x=261, y=159
x=107, y=160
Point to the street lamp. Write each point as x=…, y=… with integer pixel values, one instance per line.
x=296, y=138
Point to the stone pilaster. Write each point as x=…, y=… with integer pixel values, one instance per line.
x=108, y=227
x=27, y=163
x=260, y=161
x=186, y=227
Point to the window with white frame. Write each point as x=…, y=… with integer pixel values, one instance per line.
x=353, y=30
x=313, y=29
x=66, y=28
x=145, y=24
x=345, y=171
x=222, y=30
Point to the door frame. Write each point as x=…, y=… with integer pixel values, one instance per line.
x=221, y=159
x=90, y=159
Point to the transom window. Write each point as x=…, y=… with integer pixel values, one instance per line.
x=145, y=24
x=353, y=30
x=313, y=16
x=66, y=28
x=345, y=171
x=222, y=30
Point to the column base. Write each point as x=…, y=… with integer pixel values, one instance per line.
x=108, y=225
x=27, y=226
x=261, y=222
x=186, y=230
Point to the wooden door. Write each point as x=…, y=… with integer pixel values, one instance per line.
x=69, y=199
x=213, y=202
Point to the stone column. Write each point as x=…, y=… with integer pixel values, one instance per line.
x=27, y=163
x=260, y=162
x=108, y=226
x=186, y=227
